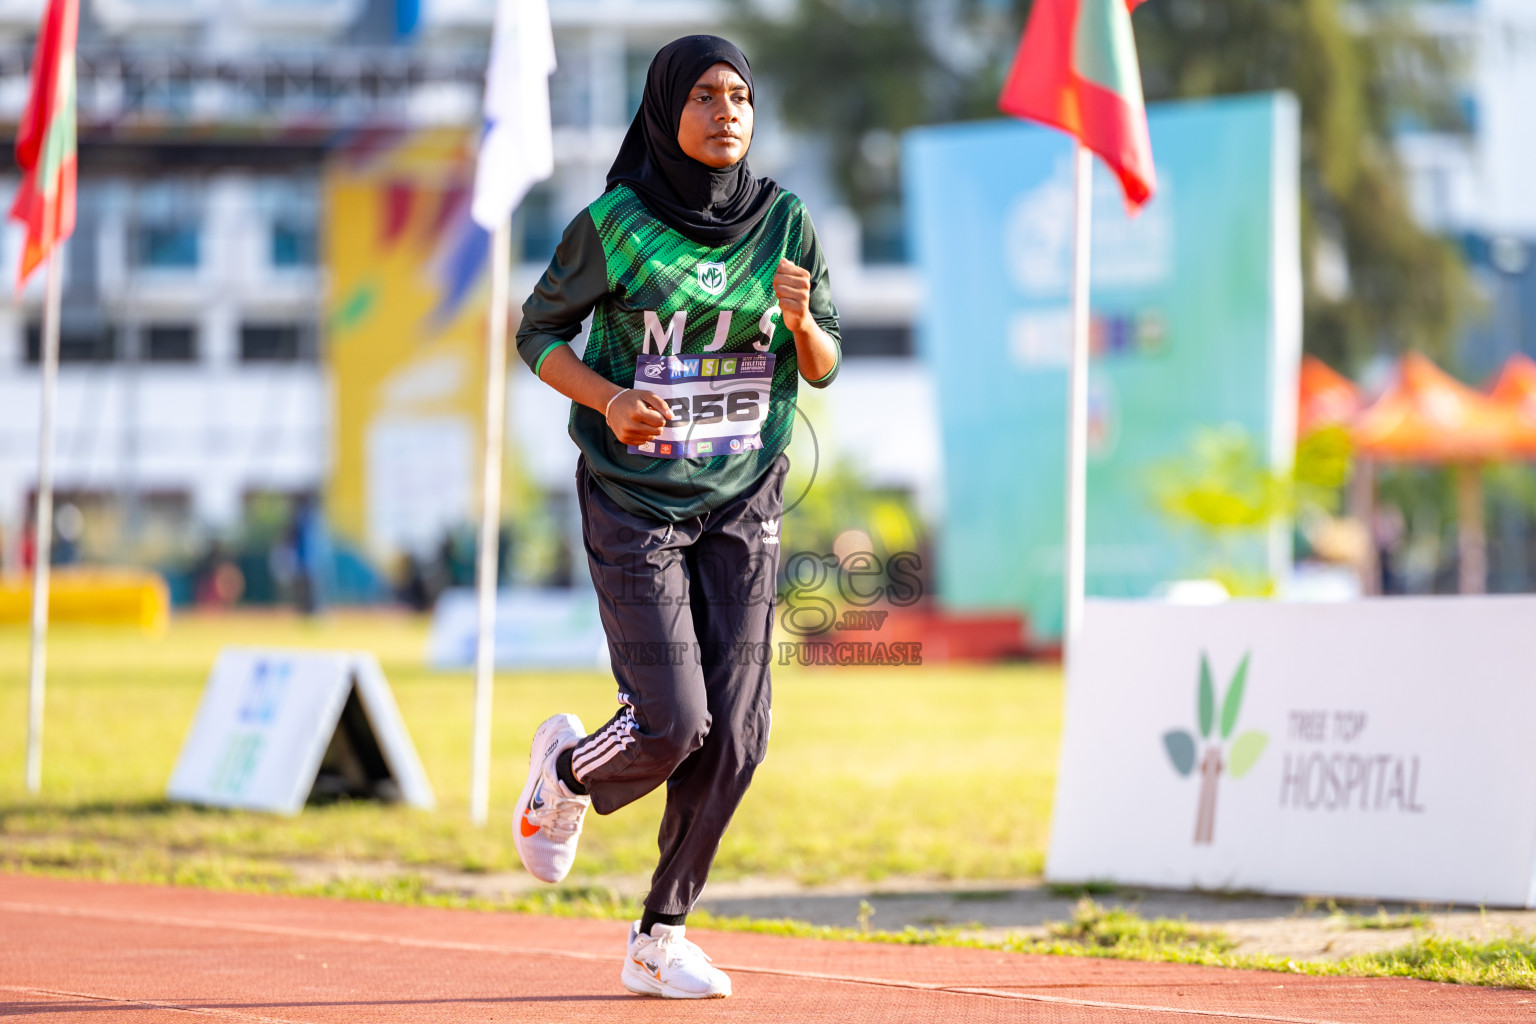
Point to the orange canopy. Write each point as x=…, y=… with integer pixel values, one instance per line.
x=1515, y=390
x=1325, y=398
x=1427, y=416
x=1516, y=387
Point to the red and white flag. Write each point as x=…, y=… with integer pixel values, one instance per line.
x=1076, y=70
x=45, y=140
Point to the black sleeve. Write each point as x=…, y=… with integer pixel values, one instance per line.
x=823, y=311
x=576, y=279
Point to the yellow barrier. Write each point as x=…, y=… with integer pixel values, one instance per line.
x=115, y=597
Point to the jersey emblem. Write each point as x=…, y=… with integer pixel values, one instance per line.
x=770, y=531
x=712, y=277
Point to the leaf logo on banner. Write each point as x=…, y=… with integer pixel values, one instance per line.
x=1183, y=747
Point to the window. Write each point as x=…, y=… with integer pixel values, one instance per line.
x=570, y=88
x=78, y=342
x=276, y=343
x=294, y=245
x=877, y=340
x=536, y=225
x=160, y=93
x=1470, y=111
x=167, y=222
x=883, y=239
x=167, y=246
x=291, y=207
x=170, y=343
x=636, y=63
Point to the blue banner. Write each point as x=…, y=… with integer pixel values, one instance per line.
x=1196, y=322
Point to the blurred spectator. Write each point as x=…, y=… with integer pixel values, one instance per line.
x=1388, y=532
x=503, y=556
x=561, y=576
x=413, y=585
x=28, y=547
x=219, y=581
x=456, y=557
x=68, y=528
x=310, y=543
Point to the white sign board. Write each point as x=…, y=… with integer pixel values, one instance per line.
x=1379, y=749
x=274, y=726
x=535, y=628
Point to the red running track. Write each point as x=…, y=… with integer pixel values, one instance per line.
x=106, y=953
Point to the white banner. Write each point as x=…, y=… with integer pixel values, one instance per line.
x=1376, y=749
x=535, y=628
x=273, y=723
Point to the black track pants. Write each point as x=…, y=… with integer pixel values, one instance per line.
x=688, y=609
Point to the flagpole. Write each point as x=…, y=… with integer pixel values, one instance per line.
x=1077, y=406
x=490, y=516
x=43, y=544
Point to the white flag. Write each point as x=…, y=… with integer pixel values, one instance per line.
x=517, y=149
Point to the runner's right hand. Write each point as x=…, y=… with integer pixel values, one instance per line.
x=636, y=417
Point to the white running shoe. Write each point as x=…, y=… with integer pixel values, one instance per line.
x=548, y=814
x=666, y=964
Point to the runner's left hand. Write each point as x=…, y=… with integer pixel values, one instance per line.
x=792, y=287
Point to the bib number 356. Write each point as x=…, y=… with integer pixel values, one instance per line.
x=718, y=401
x=735, y=407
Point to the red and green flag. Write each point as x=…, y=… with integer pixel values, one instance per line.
x=1076, y=70
x=45, y=139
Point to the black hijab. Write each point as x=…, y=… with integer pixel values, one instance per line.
x=712, y=206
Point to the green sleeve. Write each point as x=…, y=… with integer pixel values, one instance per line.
x=823, y=311
x=577, y=279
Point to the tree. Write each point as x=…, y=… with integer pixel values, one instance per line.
x=1224, y=488
x=1405, y=287
x=858, y=72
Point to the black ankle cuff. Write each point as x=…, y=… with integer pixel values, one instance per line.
x=566, y=775
x=651, y=917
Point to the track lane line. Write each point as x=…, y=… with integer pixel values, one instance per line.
x=478, y=947
x=1032, y=997
x=59, y=993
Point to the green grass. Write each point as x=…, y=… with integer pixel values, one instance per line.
x=1383, y=921
x=1122, y=934
x=1095, y=931
x=1508, y=962
x=1091, y=887
x=938, y=772
x=1096, y=927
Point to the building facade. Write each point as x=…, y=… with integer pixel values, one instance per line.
x=1474, y=185
x=193, y=385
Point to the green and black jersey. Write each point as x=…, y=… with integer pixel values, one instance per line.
x=640, y=276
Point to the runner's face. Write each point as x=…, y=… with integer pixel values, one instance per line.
x=716, y=125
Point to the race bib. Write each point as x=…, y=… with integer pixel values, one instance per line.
x=719, y=401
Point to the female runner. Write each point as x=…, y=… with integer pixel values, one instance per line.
x=710, y=299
